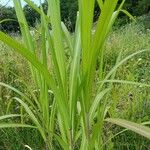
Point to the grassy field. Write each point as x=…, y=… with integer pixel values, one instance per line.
x=133, y=102
x=75, y=91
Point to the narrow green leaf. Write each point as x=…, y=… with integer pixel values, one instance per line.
x=32, y=116
x=6, y=20
x=13, y=125
x=96, y=102
x=33, y=5
x=67, y=37
x=128, y=14
x=135, y=127
x=9, y=116
x=54, y=13
x=61, y=142
x=74, y=76
x=127, y=82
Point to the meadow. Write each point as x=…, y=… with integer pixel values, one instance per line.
x=85, y=90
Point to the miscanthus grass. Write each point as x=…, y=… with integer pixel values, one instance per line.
x=71, y=106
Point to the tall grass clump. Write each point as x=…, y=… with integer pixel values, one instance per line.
x=70, y=104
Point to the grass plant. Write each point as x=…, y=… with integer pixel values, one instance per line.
x=71, y=104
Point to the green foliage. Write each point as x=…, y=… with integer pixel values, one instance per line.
x=132, y=101
x=31, y=15
x=8, y=13
x=137, y=7
x=72, y=99
x=68, y=12
x=22, y=138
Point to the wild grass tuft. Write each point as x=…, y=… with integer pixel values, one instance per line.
x=71, y=100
